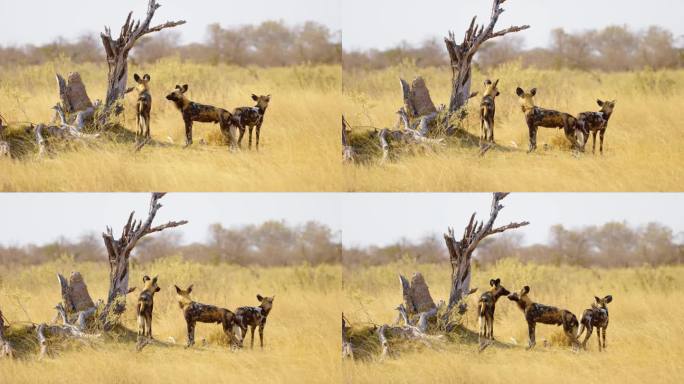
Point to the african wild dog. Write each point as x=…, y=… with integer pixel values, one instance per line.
x=536, y=117
x=201, y=113
x=195, y=312
x=256, y=317
x=146, y=305
x=488, y=110
x=544, y=314
x=144, y=105
x=595, y=122
x=596, y=316
x=251, y=117
x=486, y=306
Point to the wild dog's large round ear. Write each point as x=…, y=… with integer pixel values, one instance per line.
x=487, y=82
x=184, y=88
x=492, y=282
x=533, y=91
x=597, y=299
x=260, y=298
x=608, y=299
x=154, y=280
x=255, y=97
x=497, y=281
x=147, y=77
x=190, y=288
x=136, y=77
x=519, y=91
x=178, y=87
x=178, y=290
x=599, y=102
x=145, y=278
x=526, y=289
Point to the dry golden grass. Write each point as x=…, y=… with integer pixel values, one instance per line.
x=299, y=147
x=645, y=338
x=301, y=338
x=643, y=147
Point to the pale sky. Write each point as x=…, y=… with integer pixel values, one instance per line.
x=24, y=22
x=364, y=219
x=385, y=23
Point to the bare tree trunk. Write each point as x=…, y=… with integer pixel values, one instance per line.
x=461, y=251
x=461, y=55
x=117, y=51
x=119, y=251
x=347, y=149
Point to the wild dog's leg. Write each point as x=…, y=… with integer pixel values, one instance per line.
x=147, y=125
x=598, y=336
x=242, y=134
x=590, y=329
x=603, y=132
x=191, y=334
x=251, y=339
x=261, y=333
x=141, y=325
x=533, y=137
x=149, y=325
x=593, y=142
x=530, y=328
x=604, y=337
x=258, y=134
x=251, y=128
x=188, y=132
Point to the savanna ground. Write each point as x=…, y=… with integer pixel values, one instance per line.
x=301, y=337
x=299, y=147
x=645, y=341
x=642, y=147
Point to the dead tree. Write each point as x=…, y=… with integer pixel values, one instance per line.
x=347, y=149
x=5, y=346
x=117, y=51
x=119, y=251
x=461, y=251
x=461, y=55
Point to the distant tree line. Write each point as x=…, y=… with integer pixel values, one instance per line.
x=614, y=244
x=273, y=243
x=614, y=48
x=271, y=43
x=276, y=243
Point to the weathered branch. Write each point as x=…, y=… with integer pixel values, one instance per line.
x=460, y=251
x=347, y=149
x=6, y=349
x=119, y=251
x=461, y=55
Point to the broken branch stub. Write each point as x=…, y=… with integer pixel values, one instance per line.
x=119, y=251
x=461, y=55
x=461, y=251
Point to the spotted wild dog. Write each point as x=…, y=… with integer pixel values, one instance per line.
x=195, y=312
x=596, y=316
x=536, y=117
x=544, y=314
x=144, y=105
x=146, y=305
x=251, y=117
x=255, y=317
x=195, y=112
x=488, y=110
x=593, y=122
x=486, y=306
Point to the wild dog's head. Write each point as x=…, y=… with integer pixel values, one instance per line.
x=143, y=82
x=602, y=303
x=526, y=99
x=490, y=89
x=262, y=101
x=266, y=303
x=497, y=289
x=150, y=285
x=178, y=96
x=521, y=298
x=607, y=107
x=183, y=296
